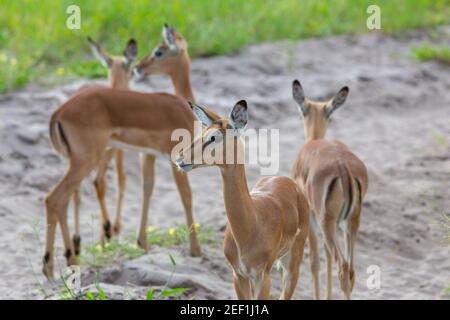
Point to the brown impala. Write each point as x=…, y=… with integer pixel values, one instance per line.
x=335, y=182
x=270, y=222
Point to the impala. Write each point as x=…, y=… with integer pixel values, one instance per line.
x=119, y=75
x=96, y=119
x=335, y=182
x=269, y=223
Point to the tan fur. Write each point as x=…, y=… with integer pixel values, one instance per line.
x=335, y=182
x=271, y=222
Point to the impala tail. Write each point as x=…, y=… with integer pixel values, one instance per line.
x=58, y=138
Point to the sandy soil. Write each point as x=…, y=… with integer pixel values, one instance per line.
x=397, y=119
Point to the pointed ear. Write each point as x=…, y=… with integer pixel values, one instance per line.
x=337, y=101
x=239, y=115
x=299, y=96
x=101, y=54
x=130, y=51
x=201, y=114
x=169, y=38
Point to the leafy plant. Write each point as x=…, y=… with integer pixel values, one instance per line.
x=428, y=53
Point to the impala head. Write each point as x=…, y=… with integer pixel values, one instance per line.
x=119, y=67
x=167, y=58
x=316, y=115
x=221, y=135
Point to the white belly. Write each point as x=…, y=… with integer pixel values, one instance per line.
x=125, y=146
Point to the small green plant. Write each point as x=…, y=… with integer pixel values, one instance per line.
x=165, y=292
x=178, y=235
x=439, y=138
x=428, y=53
x=97, y=255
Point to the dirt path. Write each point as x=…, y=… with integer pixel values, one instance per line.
x=397, y=119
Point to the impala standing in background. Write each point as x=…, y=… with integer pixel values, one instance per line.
x=119, y=76
x=269, y=223
x=335, y=182
x=171, y=58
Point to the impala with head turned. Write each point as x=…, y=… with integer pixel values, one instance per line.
x=267, y=224
x=335, y=182
x=171, y=58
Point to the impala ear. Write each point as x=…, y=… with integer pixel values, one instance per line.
x=130, y=52
x=337, y=101
x=201, y=114
x=299, y=96
x=169, y=37
x=239, y=115
x=101, y=54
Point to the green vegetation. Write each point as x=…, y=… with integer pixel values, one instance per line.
x=35, y=44
x=430, y=53
x=98, y=255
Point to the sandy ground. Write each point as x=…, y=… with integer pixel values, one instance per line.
x=397, y=119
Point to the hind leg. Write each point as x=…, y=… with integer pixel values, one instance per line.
x=242, y=287
x=100, y=188
x=329, y=273
x=314, y=263
x=56, y=204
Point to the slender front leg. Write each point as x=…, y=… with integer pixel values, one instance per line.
x=148, y=181
x=76, y=209
x=100, y=188
x=242, y=287
x=121, y=180
x=291, y=265
x=184, y=188
x=261, y=288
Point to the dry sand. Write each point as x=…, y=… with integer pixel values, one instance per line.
x=397, y=119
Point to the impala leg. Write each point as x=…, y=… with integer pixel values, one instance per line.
x=56, y=204
x=314, y=263
x=184, y=188
x=242, y=287
x=76, y=236
x=148, y=182
x=329, y=273
x=100, y=188
x=291, y=265
x=121, y=180
x=261, y=288
x=351, y=241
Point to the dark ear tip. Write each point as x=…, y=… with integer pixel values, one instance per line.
x=166, y=25
x=132, y=41
x=296, y=83
x=191, y=104
x=345, y=89
x=89, y=39
x=242, y=103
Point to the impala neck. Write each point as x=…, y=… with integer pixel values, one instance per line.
x=181, y=79
x=238, y=203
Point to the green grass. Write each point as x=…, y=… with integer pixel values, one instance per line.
x=429, y=53
x=96, y=255
x=36, y=45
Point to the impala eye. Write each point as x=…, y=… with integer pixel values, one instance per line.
x=213, y=138
x=158, y=53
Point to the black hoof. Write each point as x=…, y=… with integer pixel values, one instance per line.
x=77, y=245
x=107, y=230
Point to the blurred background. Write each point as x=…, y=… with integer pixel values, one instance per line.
x=36, y=45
